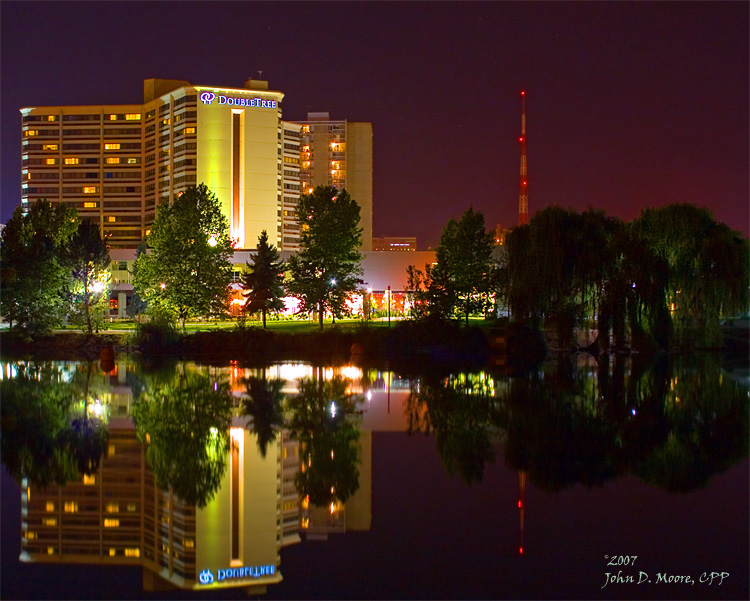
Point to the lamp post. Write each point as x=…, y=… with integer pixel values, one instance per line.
x=388, y=294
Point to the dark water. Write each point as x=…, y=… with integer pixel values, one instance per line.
x=613, y=463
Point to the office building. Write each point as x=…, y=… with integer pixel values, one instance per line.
x=395, y=243
x=339, y=154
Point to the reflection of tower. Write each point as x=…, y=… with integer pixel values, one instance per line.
x=521, y=504
x=523, y=194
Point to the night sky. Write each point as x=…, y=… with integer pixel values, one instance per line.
x=630, y=105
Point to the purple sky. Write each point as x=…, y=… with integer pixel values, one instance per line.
x=630, y=105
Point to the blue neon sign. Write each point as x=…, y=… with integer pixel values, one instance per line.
x=209, y=97
x=207, y=576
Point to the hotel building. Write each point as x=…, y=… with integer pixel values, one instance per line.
x=339, y=154
x=117, y=163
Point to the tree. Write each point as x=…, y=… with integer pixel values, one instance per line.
x=34, y=272
x=187, y=271
x=185, y=423
x=88, y=257
x=464, y=263
x=263, y=285
x=325, y=272
x=264, y=406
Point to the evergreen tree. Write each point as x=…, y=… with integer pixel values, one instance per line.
x=262, y=282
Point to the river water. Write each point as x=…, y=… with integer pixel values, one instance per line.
x=579, y=480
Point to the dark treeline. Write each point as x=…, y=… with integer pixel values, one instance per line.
x=663, y=280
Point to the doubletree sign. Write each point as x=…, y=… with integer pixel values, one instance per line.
x=207, y=576
x=209, y=97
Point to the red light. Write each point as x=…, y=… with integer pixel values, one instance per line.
x=520, y=550
x=519, y=504
x=524, y=183
x=523, y=93
x=520, y=139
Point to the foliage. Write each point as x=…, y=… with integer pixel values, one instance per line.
x=322, y=421
x=188, y=270
x=34, y=275
x=264, y=406
x=464, y=264
x=325, y=272
x=185, y=424
x=708, y=266
x=262, y=282
x=88, y=257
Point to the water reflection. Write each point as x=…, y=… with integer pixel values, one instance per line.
x=202, y=474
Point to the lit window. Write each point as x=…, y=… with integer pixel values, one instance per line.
x=112, y=160
x=113, y=117
x=89, y=205
x=111, y=450
x=89, y=190
x=165, y=121
x=70, y=506
x=71, y=160
x=132, y=161
x=112, y=552
x=131, y=507
x=50, y=550
x=49, y=147
x=111, y=219
x=189, y=130
x=51, y=117
x=50, y=506
x=31, y=535
x=51, y=162
x=49, y=521
x=133, y=552
x=111, y=523
x=133, y=117
x=112, y=146
x=89, y=480
x=31, y=132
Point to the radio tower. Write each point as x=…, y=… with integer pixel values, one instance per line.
x=523, y=194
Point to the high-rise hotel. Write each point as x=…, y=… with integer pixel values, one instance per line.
x=117, y=163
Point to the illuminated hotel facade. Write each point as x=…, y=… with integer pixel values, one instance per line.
x=116, y=163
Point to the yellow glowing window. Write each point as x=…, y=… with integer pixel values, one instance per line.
x=113, y=117
x=165, y=121
x=70, y=506
x=49, y=521
x=132, y=161
x=50, y=506
x=49, y=147
x=89, y=480
x=28, y=494
x=89, y=190
x=189, y=130
x=112, y=552
x=31, y=536
x=113, y=507
x=133, y=117
x=112, y=160
x=111, y=523
x=89, y=205
x=111, y=218
x=50, y=550
x=52, y=161
x=50, y=117
x=188, y=543
x=112, y=146
x=131, y=507
x=71, y=161
x=31, y=132
x=133, y=552
x=111, y=450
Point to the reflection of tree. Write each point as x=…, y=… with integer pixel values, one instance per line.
x=34, y=416
x=458, y=410
x=264, y=407
x=185, y=424
x=322, y=421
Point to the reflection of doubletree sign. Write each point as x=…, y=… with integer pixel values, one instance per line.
x=207, y=577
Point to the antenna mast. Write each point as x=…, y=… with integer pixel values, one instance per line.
x=523, y=194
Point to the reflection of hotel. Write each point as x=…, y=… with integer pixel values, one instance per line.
x=119, y=516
